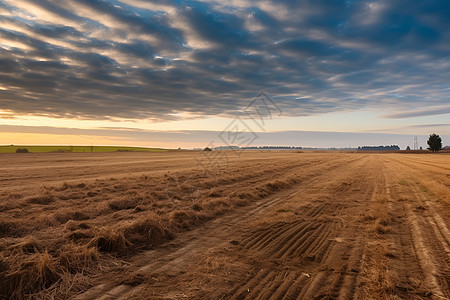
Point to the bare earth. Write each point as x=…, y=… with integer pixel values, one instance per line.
x=271, y=225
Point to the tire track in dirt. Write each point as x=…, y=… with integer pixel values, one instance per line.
x=320, y=248
x=171, y=262
x=295, y=240
x=427, y=237
x=430, y=176
x=420, y=161
x=272, y=285
x=430, y=245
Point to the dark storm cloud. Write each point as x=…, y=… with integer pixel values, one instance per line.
x=154, y=59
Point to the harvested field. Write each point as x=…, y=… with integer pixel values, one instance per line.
x=272, y=225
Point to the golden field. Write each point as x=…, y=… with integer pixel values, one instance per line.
x=265, y=225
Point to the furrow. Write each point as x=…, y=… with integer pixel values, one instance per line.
x=258, y=289
x=242, y=291
x=320, y=245
x=301, y=248
x=294, y=289
x=261, y=244
x=284, y=243
x=255, y=238
x=286, y=284
x=266, y=293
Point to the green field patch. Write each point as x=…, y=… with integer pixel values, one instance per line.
x=77, y=149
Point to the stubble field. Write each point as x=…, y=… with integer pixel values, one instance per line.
x=269, y=225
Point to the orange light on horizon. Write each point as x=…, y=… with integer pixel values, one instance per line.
x=30, y=139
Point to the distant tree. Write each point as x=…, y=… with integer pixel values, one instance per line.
x=407, y=148
x=434, y=142
x=22, y=150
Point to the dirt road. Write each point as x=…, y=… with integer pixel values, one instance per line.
x=274, y=225
x=363, y=227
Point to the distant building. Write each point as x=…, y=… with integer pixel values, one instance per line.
x=379, y=148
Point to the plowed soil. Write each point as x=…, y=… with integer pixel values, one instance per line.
x=271, y=225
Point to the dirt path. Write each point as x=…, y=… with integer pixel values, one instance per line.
x=422, y=239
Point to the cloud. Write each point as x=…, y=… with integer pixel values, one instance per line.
x=219, y=28
x=419, y=113
x=419, y=129
x=132, y=59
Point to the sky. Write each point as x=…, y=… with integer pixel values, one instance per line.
x=313, y=73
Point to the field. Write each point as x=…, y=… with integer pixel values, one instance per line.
x=41, y=149
x=268, y=225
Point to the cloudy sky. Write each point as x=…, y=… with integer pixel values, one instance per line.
x=178, y=73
